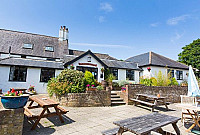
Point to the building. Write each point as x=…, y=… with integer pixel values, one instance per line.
x=158, y=63
x=32, y=59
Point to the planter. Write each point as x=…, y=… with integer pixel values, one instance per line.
x=91, y=89
x=14, y=102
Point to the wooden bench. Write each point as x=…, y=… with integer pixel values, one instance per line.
x=112, y=131
x=143, y=102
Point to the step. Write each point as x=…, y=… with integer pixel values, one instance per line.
x=115, y=96
x=117, y=103
x=115, y=92
x=117, y=99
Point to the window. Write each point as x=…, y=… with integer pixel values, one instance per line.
x=179, y=75
x=114, y=71
x=17, y=73
x=28, y=46
x=89, y=59
x=171, y=72
x=130, y=75
x=94, y=71
x=46, y=74
x=49, y=48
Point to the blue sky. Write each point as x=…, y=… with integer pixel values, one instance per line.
x=121, y=28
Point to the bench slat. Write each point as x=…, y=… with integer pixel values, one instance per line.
x=140, y=101
x=62, y=109
x=112, y=131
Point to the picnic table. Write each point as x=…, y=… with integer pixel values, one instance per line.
x=18, y=89
x=45, y=103
x=143, y=125
x=150, y=100
x=193, y=112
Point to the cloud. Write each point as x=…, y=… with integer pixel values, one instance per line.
x=106, y=7
x=101, y=19
x=176, y=20
x=177, y=37
x=154, y=24
x=101, y=45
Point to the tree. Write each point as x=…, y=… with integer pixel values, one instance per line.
x=191, y=55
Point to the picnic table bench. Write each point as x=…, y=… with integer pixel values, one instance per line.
x=44, y=103
x=150, y=100
x=143, y=125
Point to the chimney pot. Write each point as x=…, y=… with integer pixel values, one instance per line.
x=64, y=27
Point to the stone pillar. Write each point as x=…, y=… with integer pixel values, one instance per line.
x=11, y=121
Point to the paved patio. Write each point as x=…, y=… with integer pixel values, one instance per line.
x=93, y=120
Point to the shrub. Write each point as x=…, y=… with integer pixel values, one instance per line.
x=99, y=87
x=89, y=78
x=68, y=81
x=174, y=81
x=122, y=83
x=110, y=78
x=146, y=81
x=115, y=84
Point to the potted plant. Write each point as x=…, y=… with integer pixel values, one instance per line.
x=123, y=89
x=90, y=87
x=32, y=90
x=110, y=78
x=102, y=70
x=71, y=66
x=14, y=99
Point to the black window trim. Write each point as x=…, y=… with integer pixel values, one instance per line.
x=178, y=77
x=117, y=77
x=19, y=67
x=46, y=69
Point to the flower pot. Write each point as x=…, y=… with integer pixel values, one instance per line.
x=14, y=102
x=90, y=89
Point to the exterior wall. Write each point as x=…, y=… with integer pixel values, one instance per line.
x=93, y=61
x=88, y=99
x=32, y=78
x=11, y=122
x=156, y=69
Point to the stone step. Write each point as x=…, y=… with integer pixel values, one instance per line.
x=117, y=103
x=117, y=99
x=115, y=96
x=115, y=92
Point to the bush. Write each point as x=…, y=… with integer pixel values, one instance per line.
x=146, y=81
x=68, y=81
x=115, y=84
x=99, y=87
x=174, y=82
x=122, y=83
x=89, y=79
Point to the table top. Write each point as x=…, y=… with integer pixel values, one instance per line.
x=146, y=123
x=189, y=106
x=151, y=96
x=43, y=101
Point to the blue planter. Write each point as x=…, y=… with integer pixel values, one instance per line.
x=14, y=102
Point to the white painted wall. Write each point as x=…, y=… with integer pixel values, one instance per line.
x=93, y=61
x=156, y=69
x=33, y=78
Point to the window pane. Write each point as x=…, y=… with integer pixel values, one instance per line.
x=49, y=48
x=179, y=75
x=114, y=72
x=28, y=46
x=17, y=73
x=130, y=75
x=171, y=72
x=47, y=74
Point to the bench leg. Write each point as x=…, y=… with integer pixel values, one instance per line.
x=176, y=128
x=59, y=114
x=120, y=131
x=164, y=101
x=38, y=119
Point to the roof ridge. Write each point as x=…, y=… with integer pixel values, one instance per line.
x=29, y=33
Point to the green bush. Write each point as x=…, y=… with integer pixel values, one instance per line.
x=89, y=78
x=174, y=81
x=122, y=83
x=99, y=87
x=68, y=81
x=115, y=84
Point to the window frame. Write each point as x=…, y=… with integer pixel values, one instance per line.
x=48, y=49
x=48, y=69
x=28, y=47
x=129, y=72
x=112, y=72
x=179, y=74
x=24, y=80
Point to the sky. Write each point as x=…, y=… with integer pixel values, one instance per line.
x=120, y=28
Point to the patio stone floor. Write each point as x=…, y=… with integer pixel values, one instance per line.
x=93, y=120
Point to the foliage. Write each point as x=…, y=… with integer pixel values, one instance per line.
x=13, y=93
x=110, y=77
x=190, y=55
x=99, y=87
x=146, y=81
x=68, y=81
x=115, y=84
x=174, y=82
x=89, y=78
x=184, y=83
x=122, y=83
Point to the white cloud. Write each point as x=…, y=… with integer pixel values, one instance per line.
x=154, y=24
x=106, y=7
x=101, y=45
x=176, y=20
x=177, y=37
x=101, y=19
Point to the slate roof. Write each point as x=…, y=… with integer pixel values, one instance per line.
x=17, y=39
x=31, y=63
x=154, y=59
x=99, y=55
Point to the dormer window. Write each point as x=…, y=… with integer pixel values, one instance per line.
x=49, y=48
x=28, y=46
x=89, y=59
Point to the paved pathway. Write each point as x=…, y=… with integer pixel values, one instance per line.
x=93, y=120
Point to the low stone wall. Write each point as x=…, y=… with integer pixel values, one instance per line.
x=11, y=121
x=171, y=92
x=88, y=99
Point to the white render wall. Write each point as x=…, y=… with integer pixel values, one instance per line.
x=32, y=78
x=93, y=61
x=156, y=69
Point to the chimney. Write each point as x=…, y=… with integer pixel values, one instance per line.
x=63, y=33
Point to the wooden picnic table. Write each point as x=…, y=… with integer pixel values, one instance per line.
x=150, y=100
x=143, y=125
x=193, y=112
x=45, y=103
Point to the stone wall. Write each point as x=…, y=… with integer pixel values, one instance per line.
x=88, y=99
x=11, y=121
x=171, y=92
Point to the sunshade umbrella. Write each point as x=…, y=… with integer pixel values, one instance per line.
x=193, y=87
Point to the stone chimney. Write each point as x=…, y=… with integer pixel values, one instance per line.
x=63, y=33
